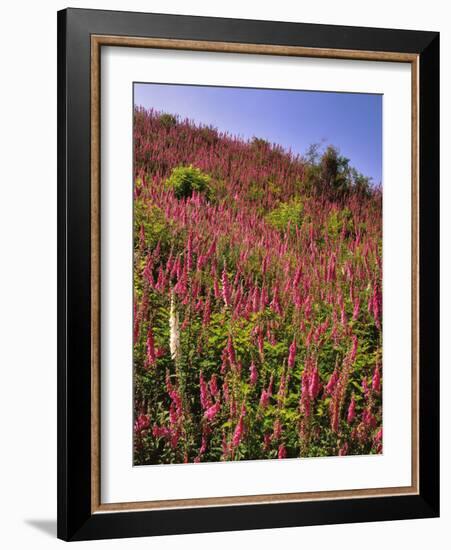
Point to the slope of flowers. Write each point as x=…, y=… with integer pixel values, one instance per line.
x=257, y=322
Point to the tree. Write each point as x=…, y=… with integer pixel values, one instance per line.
x=335, y=173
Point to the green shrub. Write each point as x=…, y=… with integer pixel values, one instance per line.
x=184, y=180
x=260, y=143
x=274, y=189
x=167, y=120
x=331, y=174
x=287, y=212
x=153, y=221
x=339, y=220
x=209, y=134
x=255, y=192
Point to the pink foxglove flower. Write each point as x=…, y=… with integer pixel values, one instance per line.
x=314, y=384
x=253, y=374
x=136, y=323
x=292, y=354
x=238, y=433
x=275, y=304
x=343, y=450
x=142, y=423
x=351, y=411
x=356, y=309
x=214, y=390
x=142, y=236
x=212, y=411
x=201, y=261
x=308, y=340
x=160, y=431
x=264, y=298
x=264, y=399
x=343, y=317
x=150, y=348
x=148, y=271
x=277, y=430
x=355, y=344
x=376, y=382
x=231, y=351
x=256, y=300
x=334, y=417
x=368, y=419
x=378, y=436
x=216, y=290
x=297, y=277
x=332, y=382
x=211, y=251
x=207, y=312
x=189, y=253
x=260, y=340
x=282, y=451
x=204, y=444
x=330, y=275
x=204, y=395
x=365, y=388
x=266, y=394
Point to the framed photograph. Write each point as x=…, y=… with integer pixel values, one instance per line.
x=248, y=274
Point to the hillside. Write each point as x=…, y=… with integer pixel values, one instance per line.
x=257, y=299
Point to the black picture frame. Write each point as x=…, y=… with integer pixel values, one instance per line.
x=75, y=518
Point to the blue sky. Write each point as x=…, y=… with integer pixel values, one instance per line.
x=293, y=119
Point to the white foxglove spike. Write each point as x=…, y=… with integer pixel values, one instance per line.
x=174, y=331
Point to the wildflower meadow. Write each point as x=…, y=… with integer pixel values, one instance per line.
x=257, y=298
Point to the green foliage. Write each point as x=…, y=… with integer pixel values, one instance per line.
x=218, y=190
x=274, y=189
x=152, y=221
x=209, y=134
x=361, y=183
x=335, y=175
x=167, y=120
x=286, y=213
x=260, y=143
x=330, y=173
x=184, y=180
x=340, y=220
x=256, y=192
x=312, y=154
